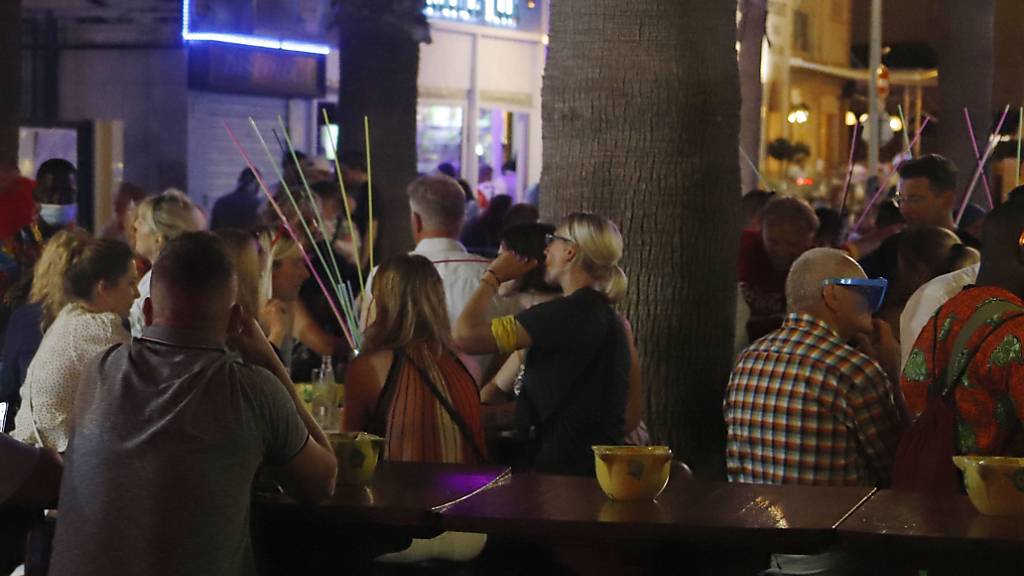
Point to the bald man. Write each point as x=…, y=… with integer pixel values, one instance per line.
x=170, y=430
x=802, y=405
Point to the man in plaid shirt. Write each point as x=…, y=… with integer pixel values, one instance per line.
x=802, y=405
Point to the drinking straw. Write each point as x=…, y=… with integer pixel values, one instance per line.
x=369, y=188
x=882, y=182
x=309, y=196
x=906, y=136
x=849, y=168
x=295, y=205
x=288, y=228
x=1020, y=137
x=348, y=211
x=977, y=154
x=992, y=142
x=754, y=168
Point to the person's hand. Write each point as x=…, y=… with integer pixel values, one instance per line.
x=872, y=240
x=246, y=337
x=275, y=317
x=881, y=345
x=509, y=266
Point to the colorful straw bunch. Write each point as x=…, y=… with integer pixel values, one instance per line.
x=340, y=292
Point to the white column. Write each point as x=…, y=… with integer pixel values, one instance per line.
x=875, y=61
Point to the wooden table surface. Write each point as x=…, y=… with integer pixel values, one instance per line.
x=779, y=518
x=401, y=494
x=933, y=530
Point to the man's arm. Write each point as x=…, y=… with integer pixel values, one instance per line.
x=311, y=474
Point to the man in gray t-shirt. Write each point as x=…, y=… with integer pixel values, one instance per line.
x=170, y=430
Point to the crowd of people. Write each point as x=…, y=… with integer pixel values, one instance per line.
x=164, y=355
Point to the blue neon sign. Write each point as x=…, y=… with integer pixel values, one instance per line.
x=234, y=37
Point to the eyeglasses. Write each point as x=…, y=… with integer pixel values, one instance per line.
x=872, y=289
x=549, y=238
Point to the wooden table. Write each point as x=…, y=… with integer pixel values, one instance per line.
x=773, y=518
x=401, y=494
x=933, y=531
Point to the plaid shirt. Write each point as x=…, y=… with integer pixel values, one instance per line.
x=803, y=407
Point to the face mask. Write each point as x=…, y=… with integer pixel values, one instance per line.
x=58, y=215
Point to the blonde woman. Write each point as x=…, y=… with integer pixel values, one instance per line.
x=284, y=317
x=159, y=219
x=101, y=281
x=29, y=321
x=577, y=370
x=407, y=385
x=243, y=248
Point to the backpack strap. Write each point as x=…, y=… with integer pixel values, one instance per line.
x=959, y=358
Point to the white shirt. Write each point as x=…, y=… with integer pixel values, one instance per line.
x=51, y=381
x=460, y=274
x=926, y=300
x=135, y=316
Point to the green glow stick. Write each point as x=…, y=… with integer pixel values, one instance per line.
x=348, y=212
x=309, y=196
x=295, y=206
x=369, y=188
x=906, y=137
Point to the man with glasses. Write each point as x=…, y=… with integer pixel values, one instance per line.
x=927, y=197
x=804, y=406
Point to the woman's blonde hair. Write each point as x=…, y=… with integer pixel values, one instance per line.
x=242, y=248
x=409, y=299
x=599, y=244
x=48, y=286
x=284, y=248
x=170, y=214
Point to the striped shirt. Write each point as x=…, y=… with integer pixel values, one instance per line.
x=803, y=407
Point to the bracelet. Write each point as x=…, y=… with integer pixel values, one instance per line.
x=497, y=281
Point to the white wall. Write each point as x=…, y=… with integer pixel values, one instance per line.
x=147, y=90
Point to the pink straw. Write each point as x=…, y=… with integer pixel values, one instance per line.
x=849, y=168
x=888, y=175
x=291, y=232
x=993, y=140
x=977, y=155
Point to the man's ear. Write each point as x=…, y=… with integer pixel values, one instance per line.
x=147, y=311
x=236, y=321
x=417, y=223
x=829, y=298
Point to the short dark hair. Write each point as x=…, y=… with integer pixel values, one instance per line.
x=789, y=210
x=938, y=170
x=93, y=261
x=193, y=267
x=326, y=190
x=353, y=159
x=530, y=240
x=447, y=169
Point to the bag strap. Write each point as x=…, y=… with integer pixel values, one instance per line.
x=452, y=413
x=959, y=360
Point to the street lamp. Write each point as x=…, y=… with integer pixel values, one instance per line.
x=800, y=115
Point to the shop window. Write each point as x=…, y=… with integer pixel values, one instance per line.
x=438, y=136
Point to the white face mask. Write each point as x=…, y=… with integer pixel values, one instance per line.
x=58, y=215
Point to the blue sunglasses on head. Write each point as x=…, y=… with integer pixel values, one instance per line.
x=873, y=289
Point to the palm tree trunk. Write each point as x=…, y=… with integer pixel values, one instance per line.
x=965, y=79
x=379, y=70
x=751, y=33
x=10, y=73
x=641, y=121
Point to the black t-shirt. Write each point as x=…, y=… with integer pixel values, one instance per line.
x=576, y=380
x=885, y=261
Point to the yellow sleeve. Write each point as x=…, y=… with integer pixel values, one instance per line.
x=506, y=333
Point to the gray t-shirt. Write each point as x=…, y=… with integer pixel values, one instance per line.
x=168, y=434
